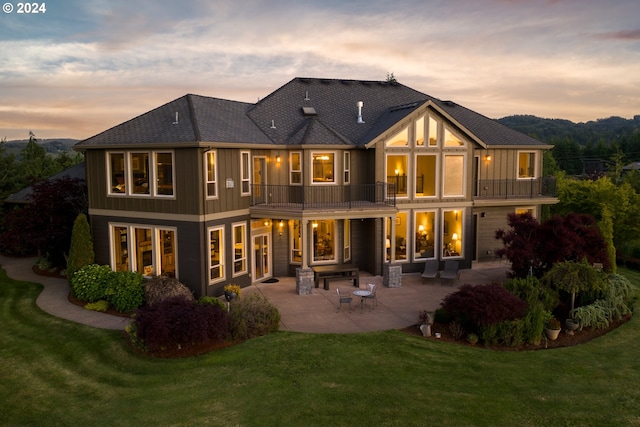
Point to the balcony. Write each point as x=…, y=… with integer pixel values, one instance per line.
x=324, y=196
x=516, y=188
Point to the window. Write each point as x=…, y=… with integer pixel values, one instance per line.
x=296, y=241
x=239, y=249
x=324, y=240
x=295, y=168
x=216, y=254
x=426, y=175
x=245, y=173
x=397, y=167
x=133, y=173
x=419, y=132
x=399, y=245
x=323, y=168
x=433, y=132
x=140, y=173
x=526, y=164
x=117, y=173
x=531, y=210
x=347, y=167
x=425, y=225
x=120, y=238
x=153, y=249
x=210, y=166
x=400, y=139
x=451, y=140
x=452, y=233
x=164, y=174
x=453, y=175
x=347, y=240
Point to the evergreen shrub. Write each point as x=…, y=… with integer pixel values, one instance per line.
x=253, y=316
x=91, y=282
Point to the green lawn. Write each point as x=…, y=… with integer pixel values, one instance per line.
x=55, y=372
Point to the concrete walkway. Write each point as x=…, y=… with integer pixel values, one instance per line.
x=317, y=313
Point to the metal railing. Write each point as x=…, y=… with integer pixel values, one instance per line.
x=323, y=196
x=516, y=188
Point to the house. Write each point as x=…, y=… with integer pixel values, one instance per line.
x=321, y=171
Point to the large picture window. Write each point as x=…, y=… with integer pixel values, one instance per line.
x=453, y=175
x=324, y=240
x=216, y=254
x=397, y=169
x=323, y=168
x=452, y=237
x=399, y=243
x=426, y=175
x=153, y=249
x=141, y=173
x=425, y=236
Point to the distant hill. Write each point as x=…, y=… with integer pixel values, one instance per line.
x=605, y=130
x=51, y=146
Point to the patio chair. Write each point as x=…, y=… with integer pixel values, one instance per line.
x=430, y=269
x=373, y=297
x=451, y=271
x=343, y=299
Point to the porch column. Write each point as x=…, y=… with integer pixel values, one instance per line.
x=304, y=275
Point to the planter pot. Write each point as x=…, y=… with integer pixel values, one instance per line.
x=552, y=334
x=571, y=325
x=426, y=330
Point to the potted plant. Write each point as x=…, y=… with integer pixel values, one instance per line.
x=552, y=328
x=425, y=320
x=231, y=292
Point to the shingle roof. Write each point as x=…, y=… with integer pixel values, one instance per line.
x=24, y=196
x=305, y=111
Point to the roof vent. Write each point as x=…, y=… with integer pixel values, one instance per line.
x=360, y=104
x=273, y=124
x=176, y=121
x=309, y=111
x=306, y=96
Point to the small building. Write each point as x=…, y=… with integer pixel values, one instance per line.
x=319, y=172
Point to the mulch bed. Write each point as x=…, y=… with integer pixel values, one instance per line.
x=564, y=339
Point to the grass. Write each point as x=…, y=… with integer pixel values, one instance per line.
x=55, y=372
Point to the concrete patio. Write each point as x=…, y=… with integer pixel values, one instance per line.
x=397, y=307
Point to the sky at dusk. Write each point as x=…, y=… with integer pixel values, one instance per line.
x=84, y=66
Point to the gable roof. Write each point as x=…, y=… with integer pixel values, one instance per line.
x=23, y=196
x=304, y=111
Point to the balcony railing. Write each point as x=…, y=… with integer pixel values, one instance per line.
x=324, y=196
x=516, y=188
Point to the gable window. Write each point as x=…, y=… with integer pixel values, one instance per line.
x=295, y=168
x=239, y=248
x=216, y=254
x=426, y=175
x=451, y=140
x=245, y=173
x=526, y=164
x=347, y=167
x=433, y=132
x=397, y=167
x=453, y=175
x=419, y=132
x=323, y=168
x=400, y=139
x=210, y=166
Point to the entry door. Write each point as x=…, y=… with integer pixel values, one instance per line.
x=260, y=179
x=261, y=257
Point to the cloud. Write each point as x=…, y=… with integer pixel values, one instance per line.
x=621, y=35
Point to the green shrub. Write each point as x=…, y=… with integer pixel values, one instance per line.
x=593, y=315
x=532, y=291
x=161, y=288
x=534, y=323
x=126, y=291
x=253, y=316
x=81, y=249
x=442, y=316
x=101, y=305
x=212, y=301
x=511, y=333
x=91, y=282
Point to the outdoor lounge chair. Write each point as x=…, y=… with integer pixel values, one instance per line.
x=343, y=299
x=451, y=271
x=430, y=269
